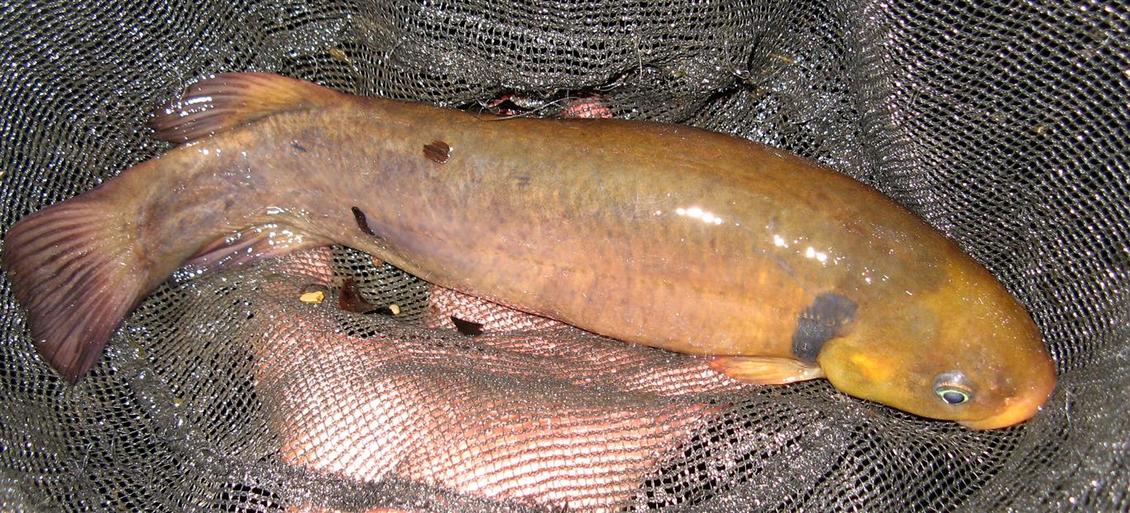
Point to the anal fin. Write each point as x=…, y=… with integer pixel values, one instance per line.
x=244, y=248
x=765, y=370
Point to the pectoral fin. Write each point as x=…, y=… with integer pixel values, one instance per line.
x=765, y=370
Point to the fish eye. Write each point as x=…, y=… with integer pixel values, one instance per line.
x=950, y=387
x=952, y=395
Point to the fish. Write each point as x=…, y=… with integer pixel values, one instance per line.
x=776, y=268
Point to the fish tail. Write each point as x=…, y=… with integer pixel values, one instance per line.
x=80, y=266
x=76, y=269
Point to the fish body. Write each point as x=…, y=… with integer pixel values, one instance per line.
x=662, y=235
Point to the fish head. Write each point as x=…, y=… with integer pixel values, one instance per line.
x=964, y=351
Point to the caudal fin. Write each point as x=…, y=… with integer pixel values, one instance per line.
x=73, y=267
x=78, y=268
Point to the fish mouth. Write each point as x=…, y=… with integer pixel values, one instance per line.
x=1003, y=420
x=1016, y=411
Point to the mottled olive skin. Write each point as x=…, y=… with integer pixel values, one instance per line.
x=662, y=235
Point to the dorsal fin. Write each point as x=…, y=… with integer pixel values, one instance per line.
x=229, y=100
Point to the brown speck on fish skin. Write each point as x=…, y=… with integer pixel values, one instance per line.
x=362, y=221
x=437, y=151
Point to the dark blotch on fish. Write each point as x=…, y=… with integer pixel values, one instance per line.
x=821, y=322
x=362, y=222
x=437, y=151
x=468, y=328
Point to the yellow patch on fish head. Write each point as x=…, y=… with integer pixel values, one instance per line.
x=966, y=352
x=872, y=367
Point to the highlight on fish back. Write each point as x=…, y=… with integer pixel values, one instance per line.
x=70, y=266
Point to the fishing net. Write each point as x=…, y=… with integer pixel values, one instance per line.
x=325, y=381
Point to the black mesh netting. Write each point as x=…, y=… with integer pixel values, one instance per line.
x=1004, y=124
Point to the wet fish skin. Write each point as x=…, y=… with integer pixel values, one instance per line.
x=662, y=235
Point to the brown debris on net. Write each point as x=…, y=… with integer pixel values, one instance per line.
x=453, y=310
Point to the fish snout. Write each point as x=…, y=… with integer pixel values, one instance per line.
x=1023, y=406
